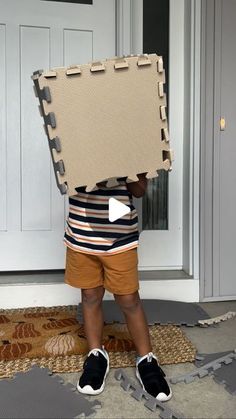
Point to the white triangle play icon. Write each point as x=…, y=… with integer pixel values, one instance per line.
x=117, y=209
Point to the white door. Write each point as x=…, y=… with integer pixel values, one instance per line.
x=38, y=34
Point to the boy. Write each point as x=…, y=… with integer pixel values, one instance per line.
x=103, y=255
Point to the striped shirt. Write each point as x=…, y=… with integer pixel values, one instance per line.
x=88, y=227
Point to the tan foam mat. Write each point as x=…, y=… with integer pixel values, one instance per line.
x=105, y=120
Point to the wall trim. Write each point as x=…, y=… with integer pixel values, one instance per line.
x=48, y=295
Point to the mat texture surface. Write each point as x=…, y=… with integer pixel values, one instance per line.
x=52, y=337
x=157, y=312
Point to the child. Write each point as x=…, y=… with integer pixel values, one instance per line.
x=103, y=255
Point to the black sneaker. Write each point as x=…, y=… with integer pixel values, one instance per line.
x=151, y=377
x=96, y=367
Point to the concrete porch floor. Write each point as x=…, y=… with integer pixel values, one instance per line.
x=203, y=398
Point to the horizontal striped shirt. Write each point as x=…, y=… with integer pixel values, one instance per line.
x=88, y=227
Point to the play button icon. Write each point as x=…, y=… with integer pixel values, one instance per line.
x=117, y=209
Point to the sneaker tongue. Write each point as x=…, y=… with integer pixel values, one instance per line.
x=149, y=357
x=95, y=352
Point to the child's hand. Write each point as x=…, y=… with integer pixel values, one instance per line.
x=138, y=188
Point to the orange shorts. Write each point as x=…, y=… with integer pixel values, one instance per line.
x=116, y=273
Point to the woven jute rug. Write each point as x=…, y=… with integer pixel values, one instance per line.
x=52, y=337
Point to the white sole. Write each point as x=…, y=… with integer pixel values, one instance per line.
x=162, y=397
x=89, y=390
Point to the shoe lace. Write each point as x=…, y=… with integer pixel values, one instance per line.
x=150, y=356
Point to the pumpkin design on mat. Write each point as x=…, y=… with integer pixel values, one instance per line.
x=58, y=324
x=64, y=342
x=115, y=344
x=13, y=350
x=25, y=330
x=60, y=344
x=4, y=319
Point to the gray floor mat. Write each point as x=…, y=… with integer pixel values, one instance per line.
x=157, y=312
x=38, y=394
x=203, y=359
x=139, y=394
x=226, y=375
x=209, y=369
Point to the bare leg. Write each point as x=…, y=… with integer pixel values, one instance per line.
x=93, y=315
x=136, y=321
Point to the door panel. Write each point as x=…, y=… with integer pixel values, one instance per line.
x=218, y=148
x=35, y=158
x=39, y=34
x=225, y=167
x=74, y=38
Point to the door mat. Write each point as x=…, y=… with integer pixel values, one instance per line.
x=52, y=337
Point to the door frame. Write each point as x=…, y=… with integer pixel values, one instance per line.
x=207, y=117
x=192, y=138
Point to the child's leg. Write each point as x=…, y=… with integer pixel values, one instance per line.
x=131, y=306
x=93, y=315
x=148, y=372
x=96, y=365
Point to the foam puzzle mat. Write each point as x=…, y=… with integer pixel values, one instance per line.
x=157, y=312
x=39, y=394
x=150, y=402
x=226, y=376
x=210, y=368
x=105, y=120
